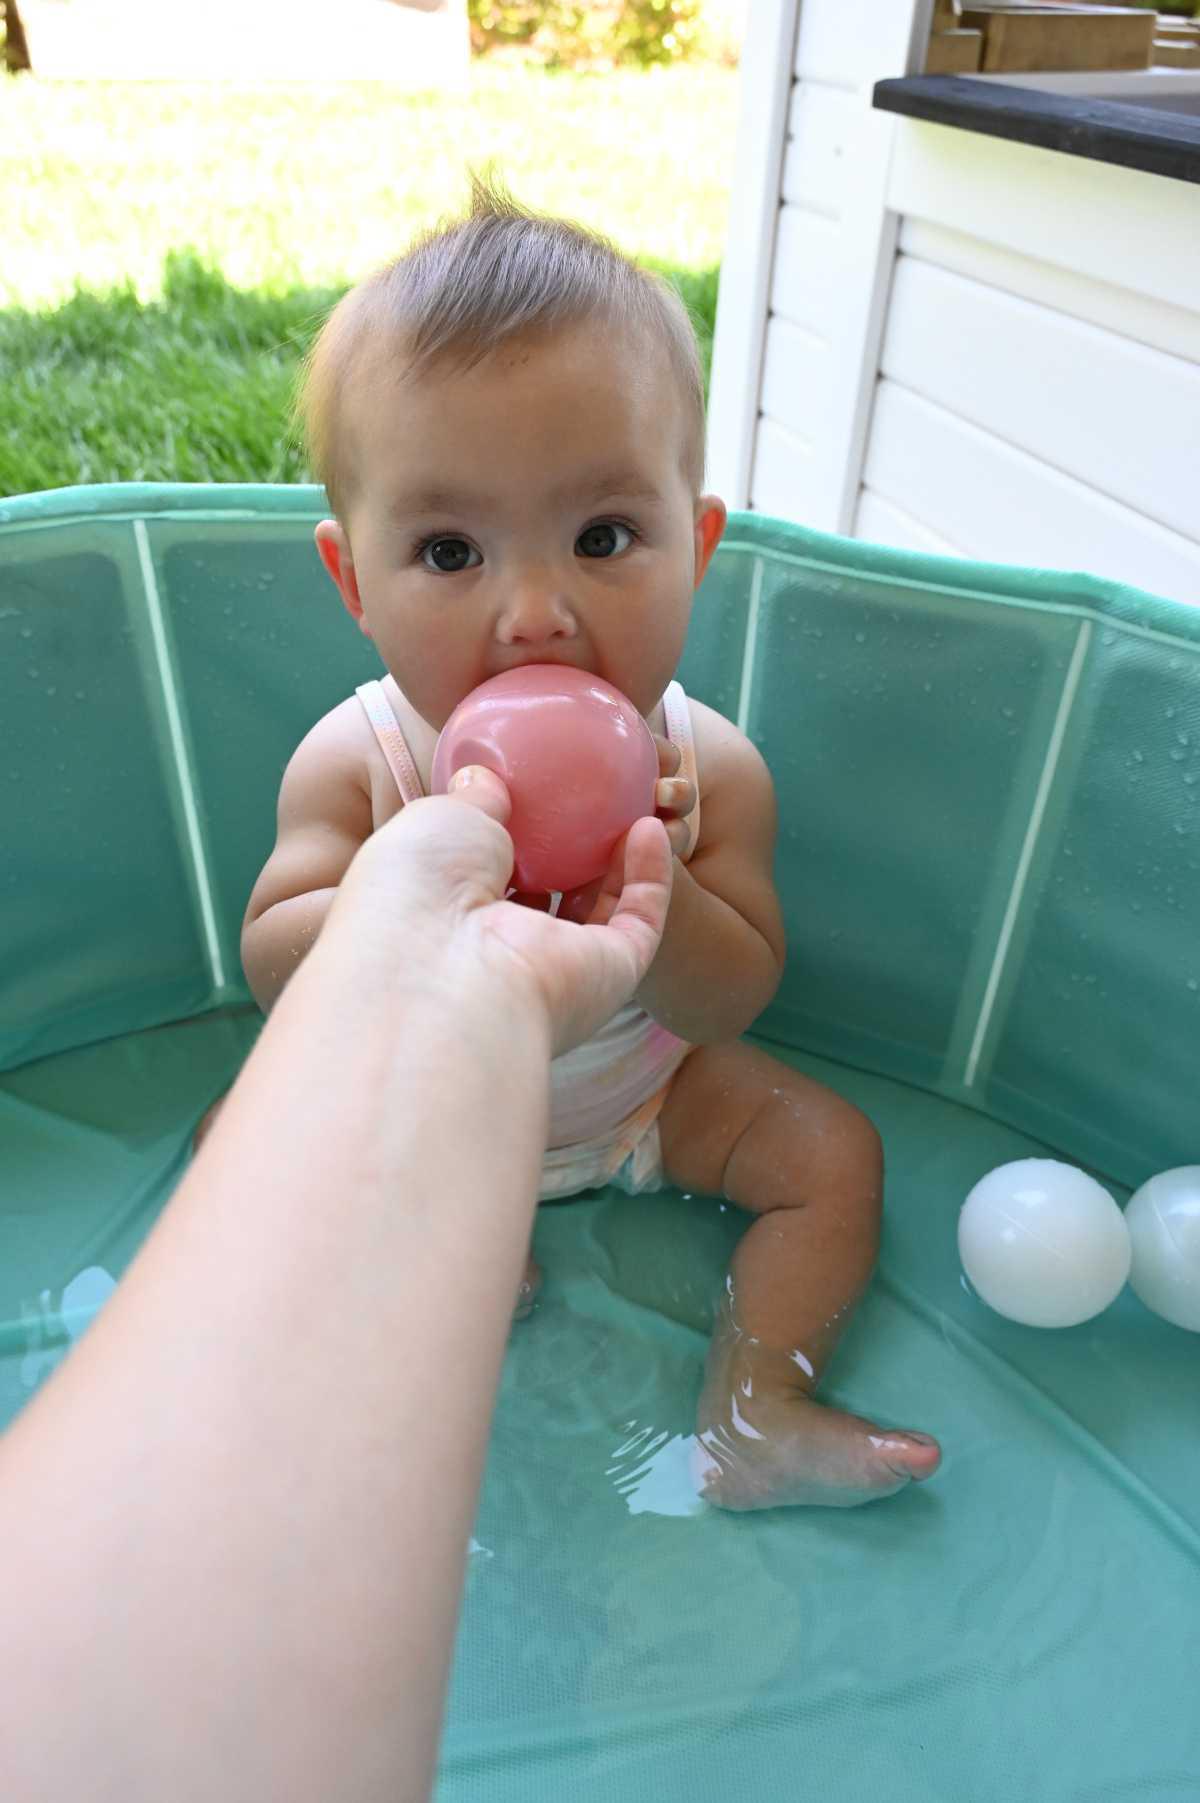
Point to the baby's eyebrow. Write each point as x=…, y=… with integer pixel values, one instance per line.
x=629, y=485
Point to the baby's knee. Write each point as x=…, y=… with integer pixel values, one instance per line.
x=852, y=1160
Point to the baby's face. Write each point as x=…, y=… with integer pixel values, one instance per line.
x=532, y=509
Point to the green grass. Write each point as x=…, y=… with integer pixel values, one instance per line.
x=169, y=250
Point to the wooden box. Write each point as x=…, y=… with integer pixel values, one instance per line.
x=954, y=53
x=1029, y=38
x=1176, y=53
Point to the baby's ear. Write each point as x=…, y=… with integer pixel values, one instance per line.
x=333, y=548
x=710, y=517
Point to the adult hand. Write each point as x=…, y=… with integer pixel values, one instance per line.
x=445, y=862
x=674, y=799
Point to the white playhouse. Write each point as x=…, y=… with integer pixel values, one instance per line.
x=961, y=314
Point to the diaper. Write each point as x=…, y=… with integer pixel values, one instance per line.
x=629, y=1158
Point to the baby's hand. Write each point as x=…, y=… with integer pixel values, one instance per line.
x=674, y=795
x=674, y=799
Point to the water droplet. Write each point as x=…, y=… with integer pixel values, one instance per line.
x=80, y=695
x=52, y=691
x=1193, y=985
x=860, y=638
x=27, y=632
x=1139, y=757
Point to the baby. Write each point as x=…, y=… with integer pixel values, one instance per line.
x=509, y=422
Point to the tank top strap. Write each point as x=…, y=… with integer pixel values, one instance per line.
x=678, y=719
x=392, y=743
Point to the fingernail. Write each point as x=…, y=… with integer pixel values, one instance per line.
x=462, y=779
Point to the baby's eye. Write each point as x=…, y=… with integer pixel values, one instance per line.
x=447, y=555
x=600, y=540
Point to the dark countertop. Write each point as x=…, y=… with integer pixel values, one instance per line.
x=1151, y=137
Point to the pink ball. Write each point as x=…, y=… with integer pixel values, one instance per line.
x=576, y=756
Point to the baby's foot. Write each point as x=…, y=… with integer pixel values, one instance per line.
x=783, y=1448
x=527, y=1295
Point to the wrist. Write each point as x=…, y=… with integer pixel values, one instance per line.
x=391, y=969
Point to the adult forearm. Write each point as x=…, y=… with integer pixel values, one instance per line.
x=265, y=1453
x=714, y=973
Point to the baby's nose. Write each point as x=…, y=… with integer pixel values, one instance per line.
x=535, y=613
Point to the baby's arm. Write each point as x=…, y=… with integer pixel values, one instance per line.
x=722, y=954
x=324, y=815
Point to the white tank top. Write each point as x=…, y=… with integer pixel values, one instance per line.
x=602, y=1082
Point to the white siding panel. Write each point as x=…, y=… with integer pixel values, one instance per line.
x=829, y=42
x=798, y=373
x=824, y=126
x=883, y=523
x=1175, y=330
x=1118, y=225
x=853, y=43
x=804, y=285
x=994, y=502
x=1057, y=387
x=746, y=271
x=786, y=480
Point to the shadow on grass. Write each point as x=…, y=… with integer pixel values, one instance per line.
x=195, y=386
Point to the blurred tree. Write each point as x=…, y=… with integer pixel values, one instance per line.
x=594, y=34
x=16, y=49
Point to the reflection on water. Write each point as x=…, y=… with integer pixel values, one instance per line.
x=48, y=1332
x=654, y=1471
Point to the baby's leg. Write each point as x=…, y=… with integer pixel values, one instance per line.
x=737, y=1123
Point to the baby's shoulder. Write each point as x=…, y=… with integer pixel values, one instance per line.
x=725, y=757
x=336, y=761
x=340, y=740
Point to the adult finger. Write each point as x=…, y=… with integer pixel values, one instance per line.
x=482, y=789
x=641, y=911
x=441, y=853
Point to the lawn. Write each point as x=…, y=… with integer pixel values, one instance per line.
x=170, y=249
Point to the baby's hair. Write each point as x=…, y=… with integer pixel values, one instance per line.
x=465, y=287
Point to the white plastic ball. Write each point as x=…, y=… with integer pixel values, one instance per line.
x=1043, y=1243
x=1163, y=1218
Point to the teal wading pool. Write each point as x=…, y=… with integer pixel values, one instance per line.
x=989, y=785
